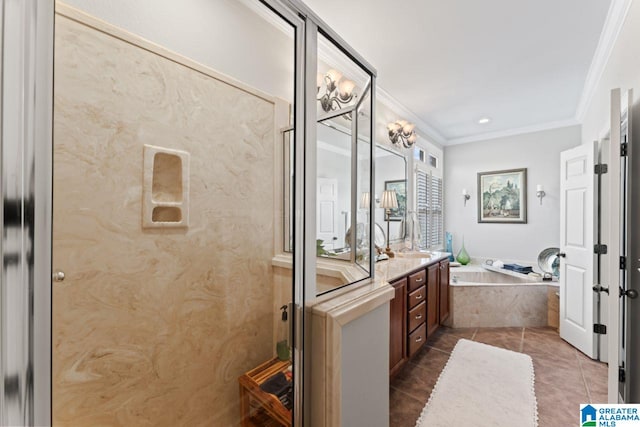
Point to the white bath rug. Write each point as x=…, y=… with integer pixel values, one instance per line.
x=482, y=386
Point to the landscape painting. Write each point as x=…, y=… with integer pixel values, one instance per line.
x=503, y=196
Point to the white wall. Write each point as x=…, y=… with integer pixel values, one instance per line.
x=539, y=152
x=622, y=71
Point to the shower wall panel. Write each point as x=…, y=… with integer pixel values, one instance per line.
x=153, y=326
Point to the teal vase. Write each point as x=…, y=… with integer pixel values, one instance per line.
x=449, y=240
x=463, y=257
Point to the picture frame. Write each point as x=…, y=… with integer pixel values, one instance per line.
x=400, y=186
x=502, y=196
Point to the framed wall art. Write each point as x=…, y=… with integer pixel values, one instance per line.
x=401, y=194
x=502, y=196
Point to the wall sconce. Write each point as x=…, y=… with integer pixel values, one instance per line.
x=389, y=201
x=401, y=131
x=465, y=195
x=540, y=192
x=338, y=90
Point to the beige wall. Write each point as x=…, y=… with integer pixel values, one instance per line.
x=153, y=327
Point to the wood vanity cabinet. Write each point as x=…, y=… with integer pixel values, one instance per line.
x=433, y=283
x=417, y=312
x=443, y=294
x=398, y=331
x=420, y=305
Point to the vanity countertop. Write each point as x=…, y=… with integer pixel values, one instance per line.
x=356, y=299
x=394, y=268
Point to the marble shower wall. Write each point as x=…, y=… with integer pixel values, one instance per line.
x=152, y=326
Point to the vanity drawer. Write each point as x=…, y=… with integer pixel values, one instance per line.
x=416, y=297
x=417, y=315
x=417, y=279
x=417, y=339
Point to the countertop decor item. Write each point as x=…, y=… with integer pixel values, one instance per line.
x=549, y=262
x=502, y=196
x=388, y=202
x=463, y=257
x=448, y=238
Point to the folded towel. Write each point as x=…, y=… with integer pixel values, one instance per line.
x=518, y=268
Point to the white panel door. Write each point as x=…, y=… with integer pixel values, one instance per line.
x=577, y=302
x=327, y=214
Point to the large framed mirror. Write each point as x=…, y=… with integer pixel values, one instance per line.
x=391, y=174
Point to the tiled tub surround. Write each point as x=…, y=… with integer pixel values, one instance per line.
x=154, y=327
x=482, y=298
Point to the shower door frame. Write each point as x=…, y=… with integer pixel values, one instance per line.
x=26, y=111
x=26, y=156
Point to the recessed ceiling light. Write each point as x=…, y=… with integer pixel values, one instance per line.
x=484, y=120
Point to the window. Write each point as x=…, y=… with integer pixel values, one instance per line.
x=429, y=206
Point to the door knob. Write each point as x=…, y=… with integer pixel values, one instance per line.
x=629, y=293
x=562, y=254
x=58, y=276
x=600, y=288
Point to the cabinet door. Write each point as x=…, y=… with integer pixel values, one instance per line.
x=433, y=283
x=398, y=328
x=444, y=291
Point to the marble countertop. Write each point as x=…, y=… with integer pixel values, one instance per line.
x=394, y=268
x=354, y=300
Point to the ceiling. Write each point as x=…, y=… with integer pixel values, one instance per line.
x=521, y=63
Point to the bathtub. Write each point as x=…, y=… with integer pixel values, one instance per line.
x=487, y=275
x=483, y=296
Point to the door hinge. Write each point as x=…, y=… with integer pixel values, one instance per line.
x=601, y=168
x=622, y=376
x=600, y=249
x=624, y=147
x=623, y=263
x=599, y=328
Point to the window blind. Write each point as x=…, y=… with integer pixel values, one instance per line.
x=429, y=206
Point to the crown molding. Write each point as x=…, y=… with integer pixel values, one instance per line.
x=515, y=131
x=610, y=32
x=421, y=126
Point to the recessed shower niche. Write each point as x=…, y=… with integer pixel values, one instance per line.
x=166, y=188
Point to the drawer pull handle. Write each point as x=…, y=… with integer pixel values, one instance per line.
x=419, y=339
x=419, y=296
x=418, y=316
x=419, y=280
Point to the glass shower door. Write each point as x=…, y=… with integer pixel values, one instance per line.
x=167, y=214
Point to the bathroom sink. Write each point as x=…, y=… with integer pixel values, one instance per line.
x=426, y=255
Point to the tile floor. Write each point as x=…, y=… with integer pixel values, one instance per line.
x=564, y=377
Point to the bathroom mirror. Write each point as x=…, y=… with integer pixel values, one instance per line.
x=391, y=174
x=344, y=157
x=335, y=215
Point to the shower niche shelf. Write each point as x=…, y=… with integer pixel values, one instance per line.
x=165, y=196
